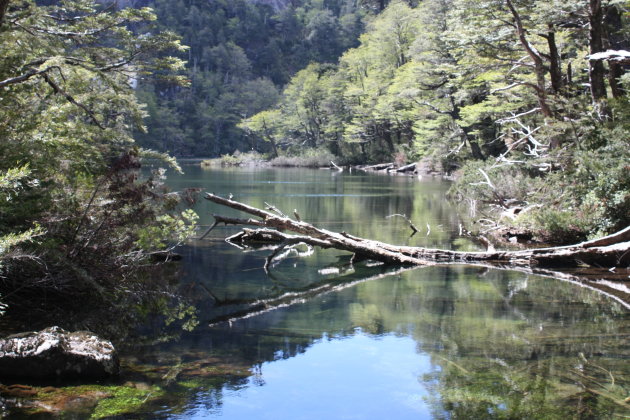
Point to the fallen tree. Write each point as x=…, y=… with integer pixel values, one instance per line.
x=610, y=253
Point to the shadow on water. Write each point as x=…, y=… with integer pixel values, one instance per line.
x=320, y=338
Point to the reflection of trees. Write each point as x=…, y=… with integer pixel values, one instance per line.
x=356, y=203
x=505, y=345
x=502, y=344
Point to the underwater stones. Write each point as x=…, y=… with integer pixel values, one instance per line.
x=55, y=353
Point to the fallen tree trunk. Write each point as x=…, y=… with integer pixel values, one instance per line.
x=407, y=168
x=610, y=251
x=377, y=167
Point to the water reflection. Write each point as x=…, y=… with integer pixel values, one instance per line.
x=449, y=342
x=455, y=342
x=355, y=203
x=312, y=386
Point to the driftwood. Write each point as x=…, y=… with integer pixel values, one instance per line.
x=377, y=167
x=407, y=168
x=413, y=227
x=610, y=251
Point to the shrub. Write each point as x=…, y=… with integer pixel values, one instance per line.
x=309, y=158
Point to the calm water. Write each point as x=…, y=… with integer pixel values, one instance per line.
x=438, y=342
x=317, y=338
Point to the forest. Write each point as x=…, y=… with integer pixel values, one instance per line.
x=516, y=114
x=523, y=101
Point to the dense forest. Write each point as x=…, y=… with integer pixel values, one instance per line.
x=523, y=100
x=242, y=53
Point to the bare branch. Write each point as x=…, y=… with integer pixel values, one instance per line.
x=404, y=216
x=22, y=78
x=512, y=86
x=517, y=116
x=275, y=209
x=487, y=182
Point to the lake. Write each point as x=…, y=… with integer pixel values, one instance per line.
x=318, y=337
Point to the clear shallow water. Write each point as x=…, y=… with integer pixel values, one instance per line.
x=317, y=338
x=436, y=342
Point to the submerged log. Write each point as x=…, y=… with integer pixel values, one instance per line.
x=377, y=167
x=610, y=251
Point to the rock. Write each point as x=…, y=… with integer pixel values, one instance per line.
x=55, y=353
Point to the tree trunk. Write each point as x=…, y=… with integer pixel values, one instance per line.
x=596, y=35
x=614, y=76
x=465, y=135
x=4, y=4
x=615, y=40
x=555, y=69
x=475, y=149
x=610, y=251
x=271, y=139
x=534, y=54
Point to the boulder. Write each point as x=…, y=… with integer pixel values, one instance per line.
x=55, y=353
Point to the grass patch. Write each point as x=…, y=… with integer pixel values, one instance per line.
x=124, y=399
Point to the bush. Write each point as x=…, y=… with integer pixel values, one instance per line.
x=582, y=187
x=310, y=158
x=237, y=159
x=98, y=240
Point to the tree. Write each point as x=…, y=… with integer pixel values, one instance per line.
x=233, y=43
x=267, y=125
x=67, y=152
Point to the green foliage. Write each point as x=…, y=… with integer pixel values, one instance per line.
x=486, y=85
x=241, y=54
x=11, y=183
x=348, y=108
x=69, y=170
x=168, y=232
x=182, y=312
x=309, y=158
x=124, y=399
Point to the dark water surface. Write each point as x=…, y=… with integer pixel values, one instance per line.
x=322, y=339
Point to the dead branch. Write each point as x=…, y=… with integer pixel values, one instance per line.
x=274, y=208
x=377, y=167
x=231, y=221
x=486, y=182
x=404, y=216
x=610, y=251
x=407, y=168
x=335, y=166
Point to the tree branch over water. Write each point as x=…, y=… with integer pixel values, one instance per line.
x=611, y=252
